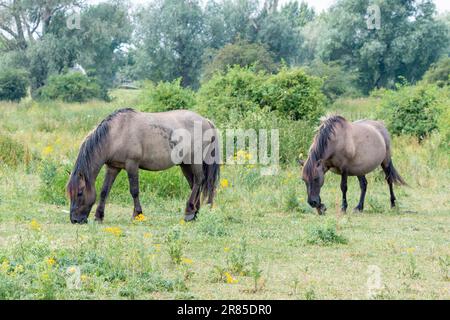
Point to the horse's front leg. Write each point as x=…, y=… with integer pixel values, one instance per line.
x=133, y=178
x=344, y=191
x=110, y=177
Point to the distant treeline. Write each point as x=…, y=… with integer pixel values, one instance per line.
x=190, y=39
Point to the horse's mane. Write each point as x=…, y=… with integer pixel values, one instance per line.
x=320, y=144
x=92, y=144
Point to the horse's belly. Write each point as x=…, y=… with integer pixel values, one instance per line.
x=156, y=162
x=365, y=163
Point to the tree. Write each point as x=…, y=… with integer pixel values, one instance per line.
x=170, y=41
x=243, y=54
x=410, y=39
x=23, y=21
x=106, y=30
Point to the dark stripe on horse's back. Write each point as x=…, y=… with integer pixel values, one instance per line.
x=92, y=144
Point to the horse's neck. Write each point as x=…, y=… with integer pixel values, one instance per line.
x=96, y=165
x=343, y=143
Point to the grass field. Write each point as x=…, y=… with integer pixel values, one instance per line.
x=259, y=241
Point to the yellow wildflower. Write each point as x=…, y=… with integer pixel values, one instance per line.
x=243, y=155
x=84, y=278
x=19, y=268
x=410, y=250
x=186, y=260
x=226, y=249
x=114, y=230
x=224, y=183
x=158, y=247
x=140, y=218
x=147, y=235
x=182, y=222
x=34, y=225
x=51, y=262
x=230, y=279
x=4, y=267
x=71, y=270
x=47, y=150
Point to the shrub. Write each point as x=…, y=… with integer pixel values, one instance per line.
x=439, y=73
x=13, y=85
x=166, y=96
x=71, y=87
x=291, y=93
x=243, y=54
x=294, y=94
x=411, y=110
x=238, y=90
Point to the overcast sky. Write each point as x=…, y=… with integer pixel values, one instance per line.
x=319, y=5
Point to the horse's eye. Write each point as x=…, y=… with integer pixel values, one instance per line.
x=80, y=193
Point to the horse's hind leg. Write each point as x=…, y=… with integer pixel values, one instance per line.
x=195, y=179
x=344, y=191
x=133, y=178
x=363, y=186
x=110, y=177
x=390, y=182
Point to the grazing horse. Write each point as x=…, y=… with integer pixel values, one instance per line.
x=349, y=149
x=132, y=140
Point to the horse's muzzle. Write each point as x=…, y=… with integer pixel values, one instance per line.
x=314, y=203
x=78, y=220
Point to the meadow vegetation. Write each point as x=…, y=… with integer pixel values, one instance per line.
x=260, y=239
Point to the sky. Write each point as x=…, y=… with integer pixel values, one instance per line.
x=319, y=5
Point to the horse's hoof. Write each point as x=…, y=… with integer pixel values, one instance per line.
x=99, y=220
x=358, y=210
x=190, y=217
x=321, y=209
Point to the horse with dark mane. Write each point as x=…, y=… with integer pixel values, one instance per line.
x=132, y=140
x=348, y=149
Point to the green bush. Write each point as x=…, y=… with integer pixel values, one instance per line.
x=291, y=93
x=411, y=110
x=294, y=94
x=71, y=87
x=239, y=91
x=166, y=96
x=439, y=73
x=13, y=85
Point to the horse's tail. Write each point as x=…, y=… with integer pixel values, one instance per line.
x=393, y=175
x=211, y=168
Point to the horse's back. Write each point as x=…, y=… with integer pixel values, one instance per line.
x=370, y=143
x=149, y=138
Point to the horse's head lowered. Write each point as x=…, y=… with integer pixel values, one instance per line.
x=314, y=176
x=315, y=168
x=82, y=198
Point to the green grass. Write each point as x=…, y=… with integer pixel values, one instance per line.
x=259, y=241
